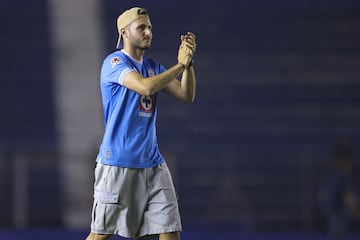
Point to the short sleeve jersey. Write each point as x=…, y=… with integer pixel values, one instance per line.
x=130, y=133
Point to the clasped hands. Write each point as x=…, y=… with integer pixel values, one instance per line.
x=187, y=49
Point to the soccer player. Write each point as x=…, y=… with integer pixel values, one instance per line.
x=134, y=195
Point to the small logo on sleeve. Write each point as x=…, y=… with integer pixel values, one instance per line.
x=115, y=60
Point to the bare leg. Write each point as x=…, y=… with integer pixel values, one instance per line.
x=95, y=236
x=170, y=236
x=149, y=237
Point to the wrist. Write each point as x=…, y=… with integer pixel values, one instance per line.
x=182, y=65
x=191, y=63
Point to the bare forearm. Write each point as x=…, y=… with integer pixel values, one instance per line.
x=188, y=84
x=150, y=85
x=158, y=82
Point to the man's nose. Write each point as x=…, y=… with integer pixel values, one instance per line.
x=148, y=32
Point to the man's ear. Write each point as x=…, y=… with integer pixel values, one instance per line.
x=124, y=33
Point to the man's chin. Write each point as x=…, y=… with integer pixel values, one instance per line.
x=146, y=47
x=147, y=44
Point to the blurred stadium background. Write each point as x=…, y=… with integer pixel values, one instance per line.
x=278, y=87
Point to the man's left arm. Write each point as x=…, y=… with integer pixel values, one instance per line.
x=185, y=89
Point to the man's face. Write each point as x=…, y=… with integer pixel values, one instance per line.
x=140, y=34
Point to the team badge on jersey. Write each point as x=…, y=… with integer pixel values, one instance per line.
x=146, y=106
x=115, y=60
x=151, y=72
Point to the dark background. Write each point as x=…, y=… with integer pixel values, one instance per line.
x=278, y=88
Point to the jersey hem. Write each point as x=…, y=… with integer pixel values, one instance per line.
x=131, y=165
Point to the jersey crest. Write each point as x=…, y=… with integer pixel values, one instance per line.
x=151, y=72
x=146, y=106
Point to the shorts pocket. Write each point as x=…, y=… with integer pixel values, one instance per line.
x=105, y=218
x=105, y=184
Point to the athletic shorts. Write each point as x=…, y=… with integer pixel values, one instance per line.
x=133, y=202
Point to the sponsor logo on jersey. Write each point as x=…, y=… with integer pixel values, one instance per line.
x=107, y=154
x=115, y=60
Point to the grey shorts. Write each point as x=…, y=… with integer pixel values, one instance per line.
x=134, y=202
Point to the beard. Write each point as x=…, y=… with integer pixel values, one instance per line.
x=145, y=44
x=142, y=44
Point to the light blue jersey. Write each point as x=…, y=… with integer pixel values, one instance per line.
x=130, y=134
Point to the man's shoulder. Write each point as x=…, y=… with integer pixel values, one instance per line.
x=115, y=58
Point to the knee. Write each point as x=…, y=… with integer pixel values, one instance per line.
x=89, y=237
x=170, y=236
x=95, y=236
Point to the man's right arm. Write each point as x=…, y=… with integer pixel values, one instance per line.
x=148, y=86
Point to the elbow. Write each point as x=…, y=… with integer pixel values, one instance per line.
x=146, y=90
x=189, y=100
